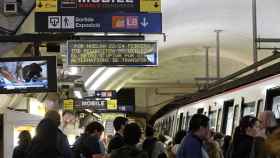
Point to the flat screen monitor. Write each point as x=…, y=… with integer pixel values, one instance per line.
x=28, y=75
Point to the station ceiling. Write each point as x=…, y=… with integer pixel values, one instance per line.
x=189, y=26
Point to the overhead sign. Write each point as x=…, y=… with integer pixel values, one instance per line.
x=68, y=104
x=112, y=53
x=150, y=6
x=46, y=6
x=99, y=5
x=110, y=22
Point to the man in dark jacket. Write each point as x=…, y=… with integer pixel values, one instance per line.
x=117, y=141
x=132, y=134
x=192, y=144
x=88, y=145
x=62, y=144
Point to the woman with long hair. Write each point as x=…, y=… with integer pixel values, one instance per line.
x=24, y=141
x=44, y=143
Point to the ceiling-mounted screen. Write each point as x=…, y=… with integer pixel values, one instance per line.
x=28, y=74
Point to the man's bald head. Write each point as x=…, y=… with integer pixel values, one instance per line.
x=54, y=116
x=267, y=119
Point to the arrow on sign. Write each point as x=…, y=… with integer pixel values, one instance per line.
x=144, y=23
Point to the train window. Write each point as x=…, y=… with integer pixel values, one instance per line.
x=260, y=107
x=248, y=109
x=218, y=124
x=187, y=121
x=183, y=123
x=276, y=106
x=212, y=117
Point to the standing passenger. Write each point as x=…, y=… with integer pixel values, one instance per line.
x=192, y=145
x=132, y=135
x=243, y=137
x=153, y=147
x=117, y=141
x=267, y=123
x=24, y=141
x=89, y=145
x=43, y=145
x=177, y=141
x=62, y=141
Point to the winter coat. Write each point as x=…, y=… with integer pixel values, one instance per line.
x=128, y=151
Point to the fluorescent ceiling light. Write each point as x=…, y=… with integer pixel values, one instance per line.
x=93, y=76
x=73, y=71
x=78, y=94
x=103, y=78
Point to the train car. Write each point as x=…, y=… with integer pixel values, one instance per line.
x=227, y=107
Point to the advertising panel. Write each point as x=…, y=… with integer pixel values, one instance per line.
x=112, y=53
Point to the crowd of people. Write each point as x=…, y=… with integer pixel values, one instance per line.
x=253, y=138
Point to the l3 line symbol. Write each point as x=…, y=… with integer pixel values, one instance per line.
x=144, y=22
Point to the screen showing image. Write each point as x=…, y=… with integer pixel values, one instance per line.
x=23, y=75
x=27, y=74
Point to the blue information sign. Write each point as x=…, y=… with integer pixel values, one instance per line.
x=110, y=22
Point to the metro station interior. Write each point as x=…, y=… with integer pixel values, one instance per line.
x=219, y=58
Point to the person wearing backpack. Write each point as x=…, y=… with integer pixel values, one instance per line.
x=89, y=145
x=151, y=145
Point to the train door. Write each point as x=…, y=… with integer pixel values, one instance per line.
x=273, y=101
x=218, y=123
x=235, y=117
x=228, y=112
x=180, y=121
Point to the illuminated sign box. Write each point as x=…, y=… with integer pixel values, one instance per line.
x=112, y=53
x=99, y=22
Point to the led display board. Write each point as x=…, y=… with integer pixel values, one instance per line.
x=112, y=53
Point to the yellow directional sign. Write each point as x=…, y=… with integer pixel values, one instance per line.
x=150, y=6
x=112, y=104
x=46, y=6
x=68, y=104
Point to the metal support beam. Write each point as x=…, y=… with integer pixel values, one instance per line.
x=207, y=64
x=245, y=70
x=254, y=21
x=218, y=52
x=62, y=37
x=268, y=40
